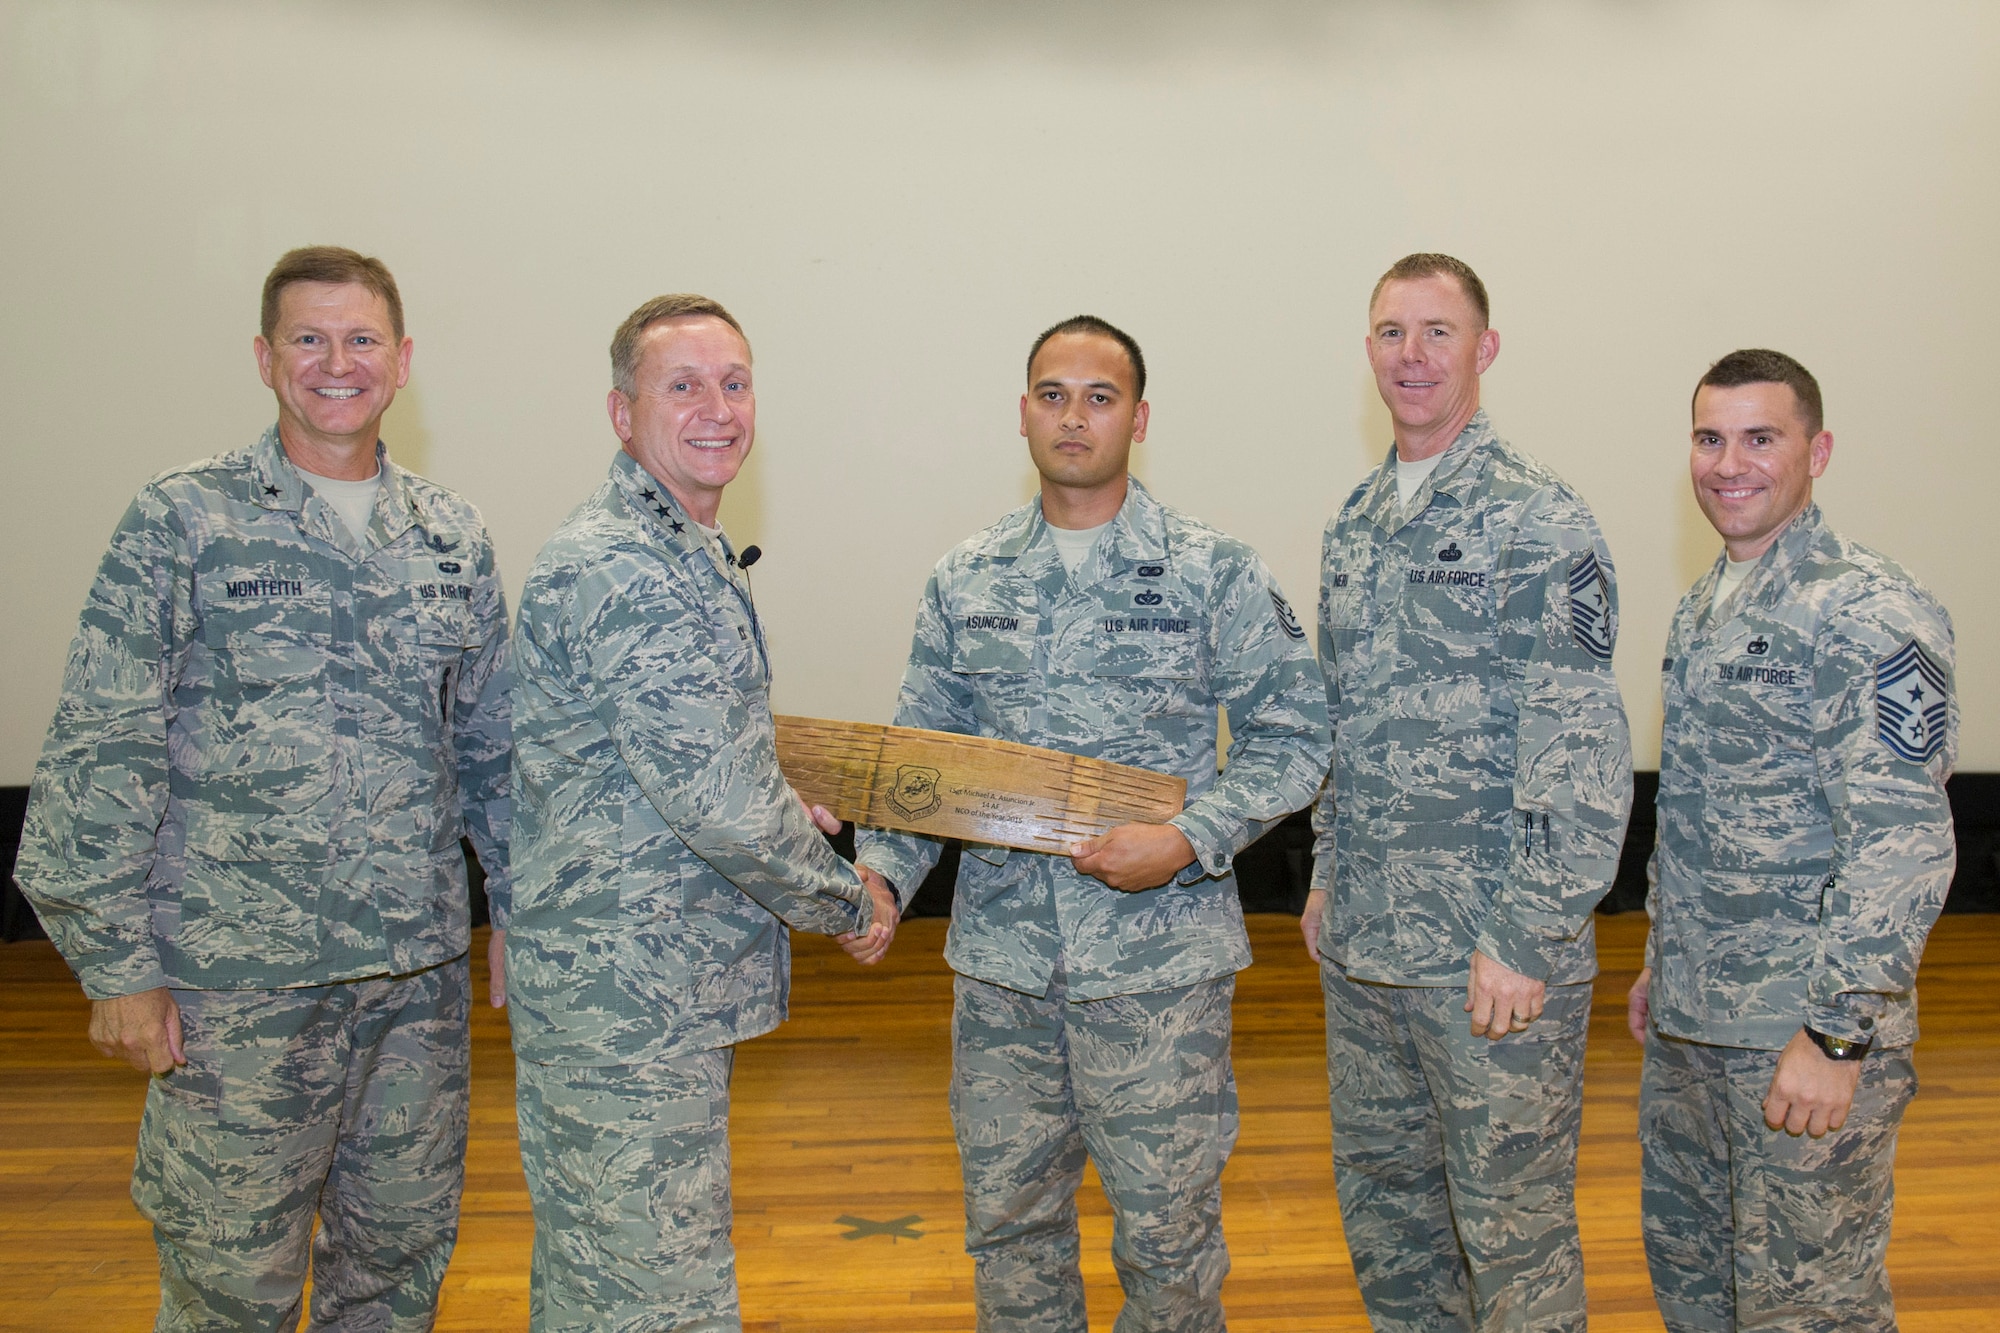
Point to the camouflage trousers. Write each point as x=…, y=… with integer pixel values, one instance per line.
x=1143, y=1085
x=1748, y=1227
x=1455, y=1157
x=349, y=1101
x=628, y=1172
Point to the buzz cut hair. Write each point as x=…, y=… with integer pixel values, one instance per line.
x=1761, y=365
x=674, y=305
x=1104, y=329
x=334, y=264
x=1424, y=264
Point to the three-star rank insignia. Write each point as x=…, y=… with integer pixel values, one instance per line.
x=1590, y=607
x=1912, y=703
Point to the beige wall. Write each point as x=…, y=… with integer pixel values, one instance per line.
x=895, y=196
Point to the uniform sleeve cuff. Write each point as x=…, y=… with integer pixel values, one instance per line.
x=1851, y=1018
x=1505, y=942
x=108, y=983
x=1212, y=855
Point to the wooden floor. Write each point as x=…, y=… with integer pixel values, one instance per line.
x=842, y=1113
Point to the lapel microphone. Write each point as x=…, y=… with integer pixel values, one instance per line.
x=749, y=556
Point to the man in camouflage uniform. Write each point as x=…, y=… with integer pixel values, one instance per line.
x=284, y=703
x=1480, y=786
x=1093, y=997
x=660, y=853
x=1805, y=848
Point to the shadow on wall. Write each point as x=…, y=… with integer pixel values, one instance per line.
x=1309, y=32
x=403, y=428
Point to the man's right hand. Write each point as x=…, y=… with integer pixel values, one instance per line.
x=1639, y=1006
x=1309, y=921
x=144, y=1030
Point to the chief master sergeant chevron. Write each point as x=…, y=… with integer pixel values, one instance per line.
x=1481, y=780
x=1805, y=848
x=284, y=703
x=1092, y=1009
x=660, y=853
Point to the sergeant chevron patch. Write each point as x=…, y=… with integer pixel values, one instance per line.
x=1590, y=607
x=1912, y=703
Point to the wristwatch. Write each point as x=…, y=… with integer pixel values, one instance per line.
x=1839, y=1048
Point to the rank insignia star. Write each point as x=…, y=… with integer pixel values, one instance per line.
x=649, y=495
x=270, y=490
x=678, y=525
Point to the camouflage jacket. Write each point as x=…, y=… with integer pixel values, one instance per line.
x=1805, y=841
x=1482, y=771
x=658, y=851
x=271, y=737
x=1126, y=660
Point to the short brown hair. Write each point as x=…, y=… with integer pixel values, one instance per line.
x=1761, y=365
x=674, y=305
x=1103, y=329
x=1426, y=265
x=333, y=264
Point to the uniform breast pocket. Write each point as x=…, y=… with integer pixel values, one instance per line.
x=996, y=669
x=989, y=654
x=270, y=642
x=1150, y=694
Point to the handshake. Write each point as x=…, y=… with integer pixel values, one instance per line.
x=870, y=946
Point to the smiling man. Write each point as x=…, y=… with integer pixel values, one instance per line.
x=660, y=854
x=1092, y=1003
x=1481, y=780
x=284, y=704
x=1805, y=849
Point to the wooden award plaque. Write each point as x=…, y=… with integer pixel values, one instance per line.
x=953, y=786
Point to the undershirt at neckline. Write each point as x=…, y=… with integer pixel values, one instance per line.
x=1410, y=474
x=354, y=501
x=1073, y=544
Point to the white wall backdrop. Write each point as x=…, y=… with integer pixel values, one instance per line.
x=896, y=196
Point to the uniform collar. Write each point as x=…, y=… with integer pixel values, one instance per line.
x=278, y=485
x=1766, y=583
x=1138, y=535
x=1456, y=475
x=653, y=505
x=1138, y=530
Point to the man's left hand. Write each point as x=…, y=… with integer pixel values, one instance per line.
x=1810, y=1094
x=1132, y=857
x=1500, y=999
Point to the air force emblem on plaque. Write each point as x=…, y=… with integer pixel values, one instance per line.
x=1590, y=607
x=915, y=794
x=1912, y=703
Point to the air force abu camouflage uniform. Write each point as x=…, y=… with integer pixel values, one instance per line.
x=1088, y=1019
x=1481, y=780
x=659, y=858
x=1805, y=849
x=270, y=738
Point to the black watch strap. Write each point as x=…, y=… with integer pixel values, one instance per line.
x=1839, y=1048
